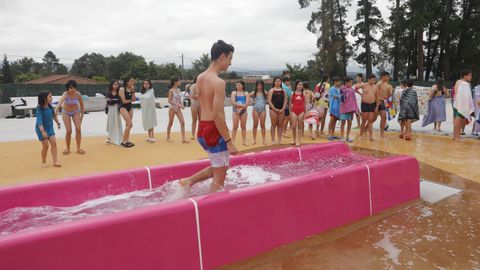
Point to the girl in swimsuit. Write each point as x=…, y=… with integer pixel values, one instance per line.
x=114, y=122
x=240, y=101
x=322, y=91
x=277, y=101
x=309, y=105
x=127, y=96
x=259, y=101
x=194, y=107
x=297, y=108
x=44, y=127
x=176, y=107
x=72, y=107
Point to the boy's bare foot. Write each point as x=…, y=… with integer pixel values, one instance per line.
x=183, y=182
x=57, y=164
x=80, y=152
x=66, y=152
x=245, y=144
x=45, y=165
x=254, y=142
x=371, y=139
x=264, y=143
x=185, y=141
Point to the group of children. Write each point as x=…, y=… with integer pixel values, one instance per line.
x=344, y=100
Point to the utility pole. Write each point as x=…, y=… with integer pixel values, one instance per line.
x=183, y=79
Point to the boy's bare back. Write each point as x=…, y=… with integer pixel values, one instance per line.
x=210, y=89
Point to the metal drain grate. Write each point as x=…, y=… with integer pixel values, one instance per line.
x=432, y=192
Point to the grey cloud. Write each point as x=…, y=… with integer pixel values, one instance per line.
x=266, y=34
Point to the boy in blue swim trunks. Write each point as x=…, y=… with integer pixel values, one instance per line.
x=212, y=133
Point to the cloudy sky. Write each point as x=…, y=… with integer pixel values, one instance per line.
x=266, y=33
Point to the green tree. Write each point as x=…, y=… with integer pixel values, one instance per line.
x=25, y=77
x=168, y=70
x=89, y=65
x=126, y=64
x=201, y=64
x=369, y=23
x=298, y=72
x=328, y=22
x=6, y=71
x=52, y=65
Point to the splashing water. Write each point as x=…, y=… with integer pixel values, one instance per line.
x=28, y=218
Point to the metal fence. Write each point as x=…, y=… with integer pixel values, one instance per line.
x=161, y=88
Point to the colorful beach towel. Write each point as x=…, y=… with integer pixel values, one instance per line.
x=391, y=110
x=436, y=111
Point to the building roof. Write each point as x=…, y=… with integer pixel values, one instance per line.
x=62, y=79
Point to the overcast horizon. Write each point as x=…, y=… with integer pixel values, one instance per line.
x=161, y=31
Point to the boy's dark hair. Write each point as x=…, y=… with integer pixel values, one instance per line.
x=335, y=79
x=409, y=83
x=371, y=76
x=403, y=82
x=360, y=75
x=325, y=78
x=384, y=73
x=219, y=48
x=286, y=79
x=71, y=83
x=347, y=79
x=465, y=72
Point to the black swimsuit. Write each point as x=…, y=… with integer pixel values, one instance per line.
x=278, y=98
x=127, y=106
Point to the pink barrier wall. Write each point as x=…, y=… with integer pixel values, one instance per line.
x=389, y=187
x=272, y=215
x=160, y=237
x=233, y=225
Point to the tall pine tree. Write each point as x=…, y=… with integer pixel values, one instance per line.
x=370, y=23
x=328, y=22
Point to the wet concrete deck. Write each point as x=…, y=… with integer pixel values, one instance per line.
x=444, y=235
x=418, y=235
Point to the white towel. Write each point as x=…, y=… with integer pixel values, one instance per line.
x=463, y=100
x=114, y=125
x=149, y=114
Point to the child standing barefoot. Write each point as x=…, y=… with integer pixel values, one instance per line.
x=408, y=109
x=348, y=108
x=334, y=109
x=44, y=127
x=176, y=107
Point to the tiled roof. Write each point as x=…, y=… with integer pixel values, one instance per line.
x=62, y=79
